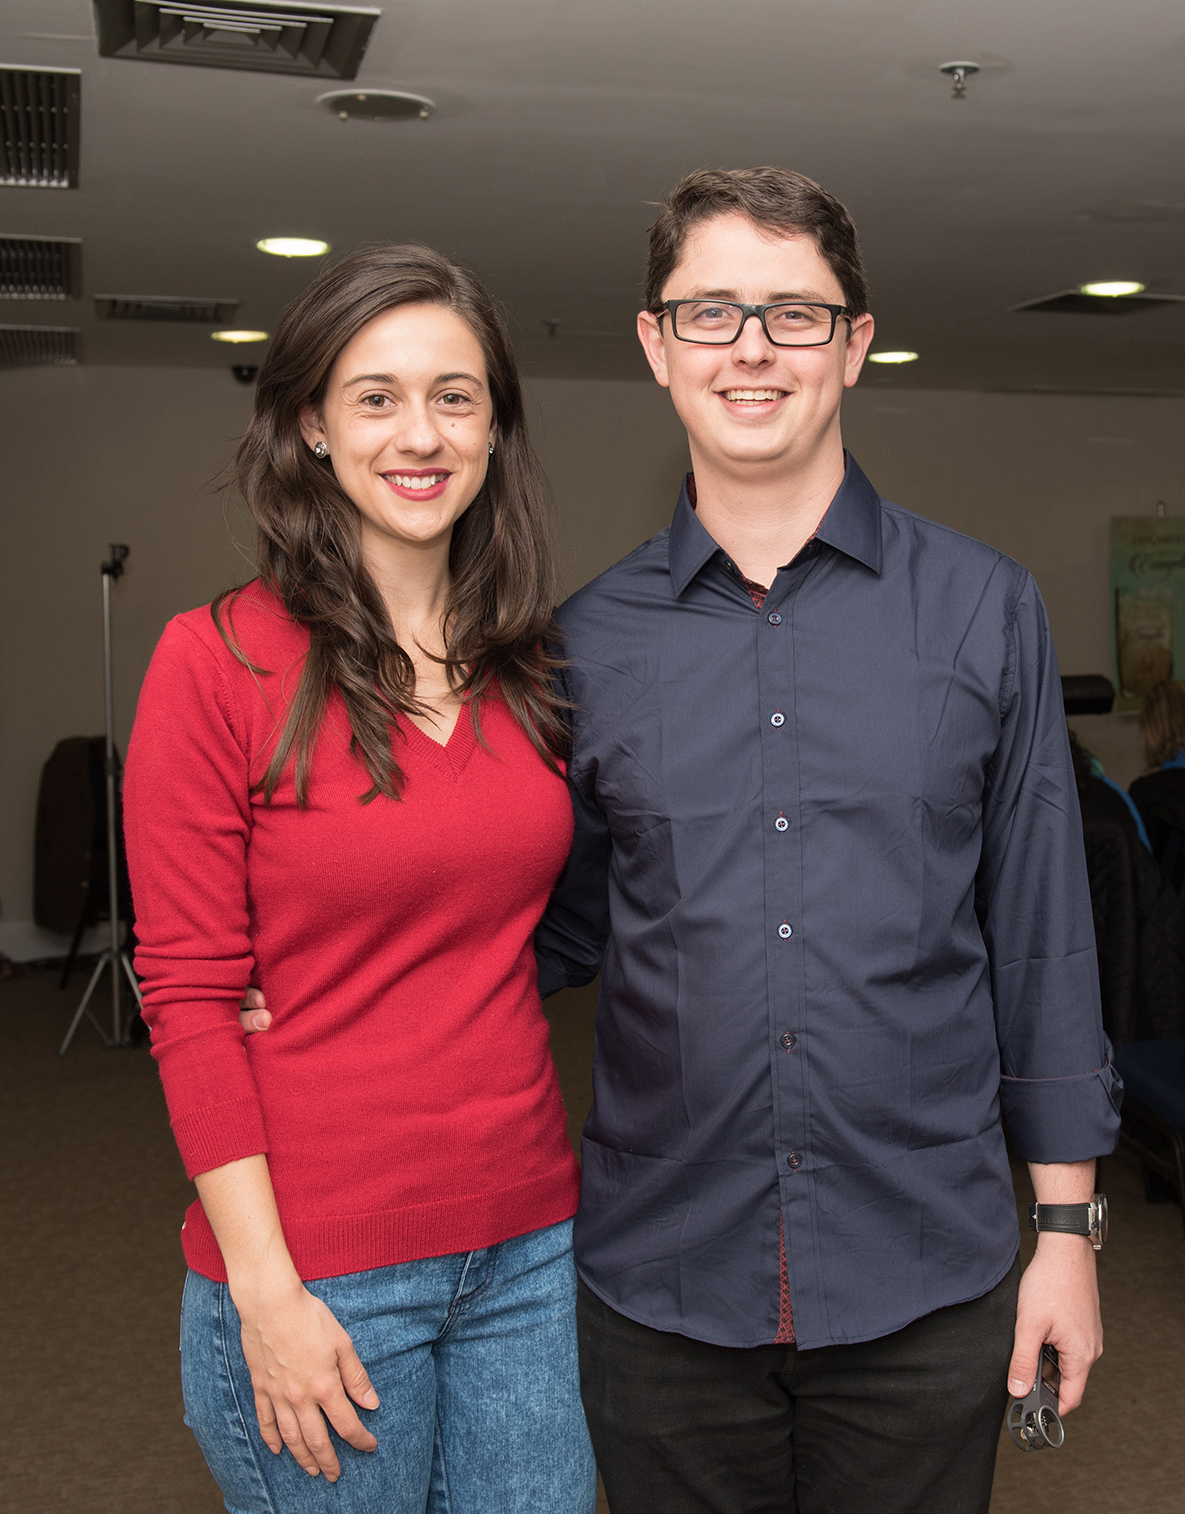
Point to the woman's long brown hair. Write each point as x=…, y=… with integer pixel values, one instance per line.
x=498, y=625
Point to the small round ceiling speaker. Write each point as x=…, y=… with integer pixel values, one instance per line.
x=376, y=105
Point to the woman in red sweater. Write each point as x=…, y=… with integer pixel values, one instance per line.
x=345, y=789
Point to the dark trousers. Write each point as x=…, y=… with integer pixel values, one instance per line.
x=906, y=1424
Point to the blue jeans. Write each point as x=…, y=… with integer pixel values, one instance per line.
x=473, y=1357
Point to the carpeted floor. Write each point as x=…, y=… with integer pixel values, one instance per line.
x=91, y=1198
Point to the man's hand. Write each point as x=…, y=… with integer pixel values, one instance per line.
x=253, y=1012
x=1059, y=1303
x=1059, y=1295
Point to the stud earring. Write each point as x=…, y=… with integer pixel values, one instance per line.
x=491, y=449
x=320, y=450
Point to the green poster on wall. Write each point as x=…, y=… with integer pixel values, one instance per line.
x=1147, y=604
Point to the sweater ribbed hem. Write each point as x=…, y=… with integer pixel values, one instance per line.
x=357, y=1243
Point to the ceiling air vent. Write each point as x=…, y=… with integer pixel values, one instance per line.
x=152, y=307
x=40, y=268
x=38, y=346
x=39, y=121
x=268, y=37
x=1074, y=302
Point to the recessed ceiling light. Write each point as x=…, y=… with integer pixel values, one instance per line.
x=1113, y=288
x=1078, y=302
x=892, y=357
x=293, y=247
x=238, y=336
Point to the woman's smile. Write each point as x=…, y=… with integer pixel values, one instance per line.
x=412, y=483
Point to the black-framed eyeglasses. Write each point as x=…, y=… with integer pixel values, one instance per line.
x=787, y=323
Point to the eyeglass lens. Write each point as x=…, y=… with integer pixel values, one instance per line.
x=789, y=325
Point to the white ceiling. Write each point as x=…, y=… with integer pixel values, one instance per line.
x=559, y=122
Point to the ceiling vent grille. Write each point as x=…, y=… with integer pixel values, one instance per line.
x=39, y=120
x=40, y=268
x=321, y=41
x=38, y=346
x=151, y=307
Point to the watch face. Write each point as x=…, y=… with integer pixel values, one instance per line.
x=1098, y=1219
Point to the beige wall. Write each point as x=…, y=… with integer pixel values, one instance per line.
x=92, y=455
x=89, y=456
x=615, y=454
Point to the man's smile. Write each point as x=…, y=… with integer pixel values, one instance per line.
x=746, y=397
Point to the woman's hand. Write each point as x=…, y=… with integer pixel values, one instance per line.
x=303, y=1365
x=253, y=1012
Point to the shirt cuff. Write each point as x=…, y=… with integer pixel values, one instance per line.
x=1063, y=1119
x=553, y=973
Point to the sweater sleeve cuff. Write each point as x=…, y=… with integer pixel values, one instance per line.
x=1063, y=1119
x=220, y=1133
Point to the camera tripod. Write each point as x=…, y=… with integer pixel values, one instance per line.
x=114, y=956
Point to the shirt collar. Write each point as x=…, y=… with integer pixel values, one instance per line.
x=852, y=525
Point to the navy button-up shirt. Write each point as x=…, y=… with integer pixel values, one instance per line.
x=829, y=863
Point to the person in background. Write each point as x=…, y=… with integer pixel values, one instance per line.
x=1160, y=794
x=1100, y=797
x=1138, y=925
x=345, y=787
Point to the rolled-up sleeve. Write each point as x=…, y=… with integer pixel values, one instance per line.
x=1059, y=1091
x=187, y=819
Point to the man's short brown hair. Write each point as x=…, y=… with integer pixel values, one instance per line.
x=775, y=199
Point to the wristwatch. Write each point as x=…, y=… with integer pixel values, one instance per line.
x=1073, y=1219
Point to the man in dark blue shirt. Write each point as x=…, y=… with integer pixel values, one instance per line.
x=829, y=864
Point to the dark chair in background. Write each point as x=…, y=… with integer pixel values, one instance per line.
x=70, y=878
x=1139, y=934
x=1153, y=1075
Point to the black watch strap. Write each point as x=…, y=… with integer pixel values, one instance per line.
x=1089, y=1219
x=1065, y=1219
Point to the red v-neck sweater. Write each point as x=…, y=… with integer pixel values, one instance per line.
x=405, y=1094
